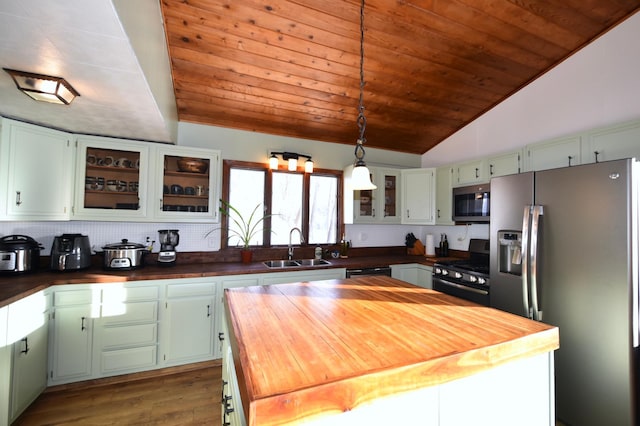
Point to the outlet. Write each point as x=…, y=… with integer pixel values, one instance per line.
x=363, y=236
x=211, y=242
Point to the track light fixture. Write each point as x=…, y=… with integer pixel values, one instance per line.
x=292, y=161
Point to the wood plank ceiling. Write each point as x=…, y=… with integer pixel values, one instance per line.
x=291, y=67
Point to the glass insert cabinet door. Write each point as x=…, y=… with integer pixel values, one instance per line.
x=189, y=179
x=113, y=177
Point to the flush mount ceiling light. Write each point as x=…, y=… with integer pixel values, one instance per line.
x=292, y=161
x=360, y=178
x=43, y=87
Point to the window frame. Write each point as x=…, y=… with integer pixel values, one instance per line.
x=227, y=165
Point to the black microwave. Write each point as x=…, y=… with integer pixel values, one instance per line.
x=472, y=203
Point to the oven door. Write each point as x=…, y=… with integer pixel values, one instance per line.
x=462, y=291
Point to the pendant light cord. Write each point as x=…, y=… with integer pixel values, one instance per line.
x=361, y=121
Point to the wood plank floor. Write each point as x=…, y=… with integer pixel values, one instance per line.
x=184, y=398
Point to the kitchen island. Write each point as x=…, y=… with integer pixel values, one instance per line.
x=376, y=350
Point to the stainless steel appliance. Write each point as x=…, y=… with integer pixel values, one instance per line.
x=472, y=203
x=564, y=250
x=70, y=252
x=19, y=254
x=124, y=255
x=382, y=270
x=465, y=278
x=169, y=239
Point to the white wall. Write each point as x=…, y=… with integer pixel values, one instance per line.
x=597, y=86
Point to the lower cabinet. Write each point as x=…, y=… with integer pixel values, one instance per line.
x=190, y=322
x=231, y=405
x=413, y=273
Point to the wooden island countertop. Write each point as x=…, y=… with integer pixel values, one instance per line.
x=321, y=347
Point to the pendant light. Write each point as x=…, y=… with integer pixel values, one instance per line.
x=360, y=178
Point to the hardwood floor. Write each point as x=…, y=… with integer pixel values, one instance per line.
x=183, y=398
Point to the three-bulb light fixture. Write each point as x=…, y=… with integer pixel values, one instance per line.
x=292, y=161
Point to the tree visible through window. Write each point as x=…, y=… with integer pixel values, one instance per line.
x=309, y=202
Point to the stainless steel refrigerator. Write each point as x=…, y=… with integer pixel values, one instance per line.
x=564, y=250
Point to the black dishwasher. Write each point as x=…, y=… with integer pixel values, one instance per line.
x=383, y=270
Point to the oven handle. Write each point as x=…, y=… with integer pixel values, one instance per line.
x=463, y=287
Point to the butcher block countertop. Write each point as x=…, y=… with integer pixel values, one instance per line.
x=313, y=348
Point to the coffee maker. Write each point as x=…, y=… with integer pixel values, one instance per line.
x=169, y=239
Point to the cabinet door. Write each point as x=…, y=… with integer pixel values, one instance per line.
x=365, y=203
x=470, y=173
x=112, y=179
x=613, y=143
x=418, y=196
x=389, y=189
x=444, y=185
x=71, y=353
x=39, y=166
x=502, y=165
x=29, y=369
x=188, y=182
x=189, y=330
x=554, y=154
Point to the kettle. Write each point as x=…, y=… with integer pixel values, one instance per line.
x=70, y=252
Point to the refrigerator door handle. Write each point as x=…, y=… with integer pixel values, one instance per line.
x=535, y=222
x=525, y=260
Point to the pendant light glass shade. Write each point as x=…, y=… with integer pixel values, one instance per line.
x=361, y=179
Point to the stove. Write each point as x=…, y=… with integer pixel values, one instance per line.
x=466, y=278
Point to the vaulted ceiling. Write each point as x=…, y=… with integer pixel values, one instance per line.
x=291, y=67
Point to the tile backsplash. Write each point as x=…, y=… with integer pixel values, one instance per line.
x=192, y=236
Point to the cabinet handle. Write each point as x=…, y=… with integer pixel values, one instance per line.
x=477, y=170
x=26, y=346
x=373, y=212
x=408, y=215
x=18, y=199
x=490, y=169
x=221, y=336
x=208, y=311
x=438, y=213
x=570, y=158
x=161, y=204
x=82, y=327
x=596, y=154
x=228, y=409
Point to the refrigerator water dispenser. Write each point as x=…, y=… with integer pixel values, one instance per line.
x=510, y=252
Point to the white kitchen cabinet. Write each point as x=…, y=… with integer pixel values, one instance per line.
x=612, y=143
x=563, y=152
x=444, y=199
x=71, y=349
x=231, y=404
x=418, y=196
x=380, y=205
x=470, y=173
x=413, y=273
x=187, y=196
x=189, y=323
x=112, y=179
x=36, y=172
x=505, y=164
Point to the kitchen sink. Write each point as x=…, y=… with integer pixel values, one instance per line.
x=294, y=263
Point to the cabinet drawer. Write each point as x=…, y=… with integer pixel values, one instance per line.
x=73, y=297
x=128, y=359
x=126, y=313
x=186, y=290
x=132, y=335
x=128, y=294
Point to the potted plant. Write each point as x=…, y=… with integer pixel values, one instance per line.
x=244, y=229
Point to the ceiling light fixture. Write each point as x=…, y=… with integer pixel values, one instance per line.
x=360, y=178
x=43, y=87
x=292, y=161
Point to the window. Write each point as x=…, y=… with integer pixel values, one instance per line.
x=309, y=202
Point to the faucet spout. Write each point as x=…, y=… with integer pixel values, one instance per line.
x=290, y=251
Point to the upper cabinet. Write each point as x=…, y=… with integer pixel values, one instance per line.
x=380, y=205
x=612, y=143
x=553, y=154
x=36, y=172
x=418, y=196
x=505, y=164
x=470, y=173
x=444, y=198
x=187, y=184
x=112, y=181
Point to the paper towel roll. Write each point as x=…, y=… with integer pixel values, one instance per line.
x=429, y=246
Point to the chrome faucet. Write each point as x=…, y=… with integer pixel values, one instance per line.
x=290, y=252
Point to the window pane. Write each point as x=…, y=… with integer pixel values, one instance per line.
x=246, y=191
x=286, y=206
x=323, y=209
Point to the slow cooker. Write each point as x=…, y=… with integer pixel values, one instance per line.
x=124, y=255
x=19, y=253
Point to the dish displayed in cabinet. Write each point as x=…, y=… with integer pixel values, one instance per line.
x=112, y=179
x=389, y=196
x=185, y=184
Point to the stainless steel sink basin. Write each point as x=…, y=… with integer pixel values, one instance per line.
x=294, y=263
x=280, y=263
x=313, y=262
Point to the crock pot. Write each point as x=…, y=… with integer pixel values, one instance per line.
x=19, y=253
x=124, y=255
